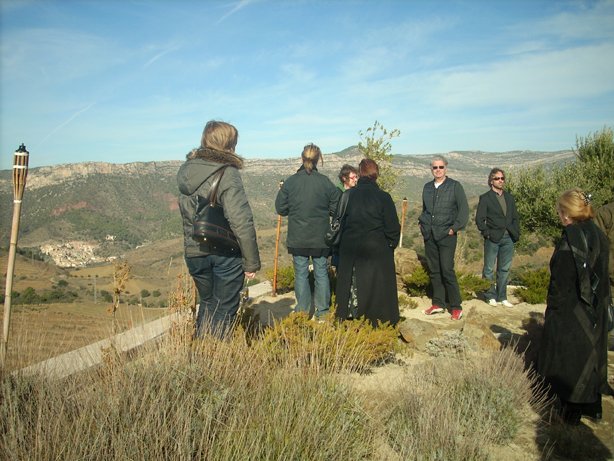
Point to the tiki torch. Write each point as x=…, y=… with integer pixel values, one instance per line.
x=20, y=172
x=281, y=183
x=403, y=211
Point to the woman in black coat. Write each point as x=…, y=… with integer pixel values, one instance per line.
x=366, y=280
x=573, y=353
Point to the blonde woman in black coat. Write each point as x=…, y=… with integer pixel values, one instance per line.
x=573, y=352
x=366, y=280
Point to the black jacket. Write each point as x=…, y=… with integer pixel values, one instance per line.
x=443, y=208
x=370, y=234
x=231, y=196
x=491, y=221
x=573, y=352
x=308, y=200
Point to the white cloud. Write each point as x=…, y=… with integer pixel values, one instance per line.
x=580, y=72
x=161, y=53
x=64, y=55
x=237, y=7
x=584, y=24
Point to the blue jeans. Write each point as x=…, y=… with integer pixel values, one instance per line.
x=501, y=252
x=302, y=290
x=219, y=280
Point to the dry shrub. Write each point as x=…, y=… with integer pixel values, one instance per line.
x=451, y=409
x=449, y=344
x=223, y=400
x=331, y=346
x=182, y=300
x=405, y=302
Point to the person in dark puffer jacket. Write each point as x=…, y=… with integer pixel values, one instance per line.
x=445, y=211
x=218, y=277
x=309, y=199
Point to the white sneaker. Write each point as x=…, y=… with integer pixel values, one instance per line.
x=493, y=302
x=506, y=303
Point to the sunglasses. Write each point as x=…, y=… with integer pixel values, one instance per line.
x=499, y=178
x=435, y=167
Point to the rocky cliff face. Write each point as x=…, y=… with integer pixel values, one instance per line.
x=137, y=202
x=466, y=165
x=58, y=174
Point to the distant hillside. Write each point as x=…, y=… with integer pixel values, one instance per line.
x=137, y=202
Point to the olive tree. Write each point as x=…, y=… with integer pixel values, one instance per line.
x=376, y=145
x=537, y=189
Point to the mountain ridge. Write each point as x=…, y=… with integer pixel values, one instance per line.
x=136, y=202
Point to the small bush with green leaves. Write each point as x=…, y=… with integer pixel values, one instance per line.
x=417, y=282
x=285, y=278
x=534, y=286
x=471, y=285
x=333, y=346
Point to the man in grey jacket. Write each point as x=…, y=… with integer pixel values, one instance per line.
x=499, y=224
x=445, y=212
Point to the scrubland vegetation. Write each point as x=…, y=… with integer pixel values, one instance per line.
x=286, y=394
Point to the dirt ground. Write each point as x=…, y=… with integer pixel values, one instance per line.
x=514, y=326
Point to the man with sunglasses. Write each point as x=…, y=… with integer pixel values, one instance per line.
x=498, y=221
x=444, y=213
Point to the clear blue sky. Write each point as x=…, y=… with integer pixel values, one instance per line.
x=125, y=81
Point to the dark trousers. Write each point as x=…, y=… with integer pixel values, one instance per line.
x=219, y=280
x=440, y=259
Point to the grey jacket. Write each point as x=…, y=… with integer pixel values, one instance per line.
x=443, y=208
x=231, y=196
x=308, y=200
x=491, y=221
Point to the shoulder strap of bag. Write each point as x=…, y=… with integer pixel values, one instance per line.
x=343, y=204
x=212, y=197
x=217, y=175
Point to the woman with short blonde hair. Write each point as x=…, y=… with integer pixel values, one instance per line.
x=573, y=353
x=575, y=206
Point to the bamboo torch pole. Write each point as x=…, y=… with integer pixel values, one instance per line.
x=281, y=183
x=20, y=172
x=403, y=212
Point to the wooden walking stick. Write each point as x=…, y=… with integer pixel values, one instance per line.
x=281, y=183
x=403, y=211
x=20, y=172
